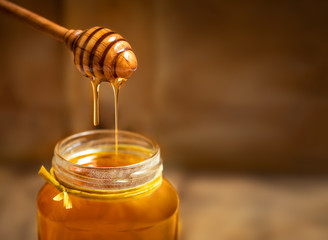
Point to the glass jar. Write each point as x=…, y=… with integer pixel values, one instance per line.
x=98, y=191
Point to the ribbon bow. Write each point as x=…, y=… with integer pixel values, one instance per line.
x=51, y=179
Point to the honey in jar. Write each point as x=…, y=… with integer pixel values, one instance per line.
x=100, y=190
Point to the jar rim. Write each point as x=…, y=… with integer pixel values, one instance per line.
x=109, y=131
x=106, y=178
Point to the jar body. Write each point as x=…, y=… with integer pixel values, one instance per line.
x=146, y=216
x=110, y=191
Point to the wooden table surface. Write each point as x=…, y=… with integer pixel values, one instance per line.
x=213, y=206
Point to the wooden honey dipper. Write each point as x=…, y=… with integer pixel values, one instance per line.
x=98, y=52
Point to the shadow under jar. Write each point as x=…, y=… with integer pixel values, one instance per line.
x=116, y=195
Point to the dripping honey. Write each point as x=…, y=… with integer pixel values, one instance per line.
x=95, y=84
x=116, y=85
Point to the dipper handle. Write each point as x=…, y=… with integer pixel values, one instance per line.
x=40, y=23
x=98, y=52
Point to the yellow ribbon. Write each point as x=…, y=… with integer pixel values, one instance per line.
x=94, y=194
x=63, y=195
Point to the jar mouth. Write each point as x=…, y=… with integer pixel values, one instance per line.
x=118, y=177
x=58, y=151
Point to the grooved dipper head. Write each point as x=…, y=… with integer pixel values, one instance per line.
x=101, y=53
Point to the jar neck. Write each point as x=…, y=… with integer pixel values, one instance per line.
x=97, y=179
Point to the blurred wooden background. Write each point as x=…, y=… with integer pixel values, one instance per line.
x=222, y=85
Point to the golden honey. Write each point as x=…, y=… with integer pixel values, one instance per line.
x=124, y=196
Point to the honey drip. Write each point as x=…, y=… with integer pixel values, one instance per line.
x=116, y=85
x=95, y=83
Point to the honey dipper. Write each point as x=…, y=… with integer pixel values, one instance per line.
x=98, y=52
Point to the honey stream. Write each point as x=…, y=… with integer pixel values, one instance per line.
x=116, y=85
x=95, y=83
